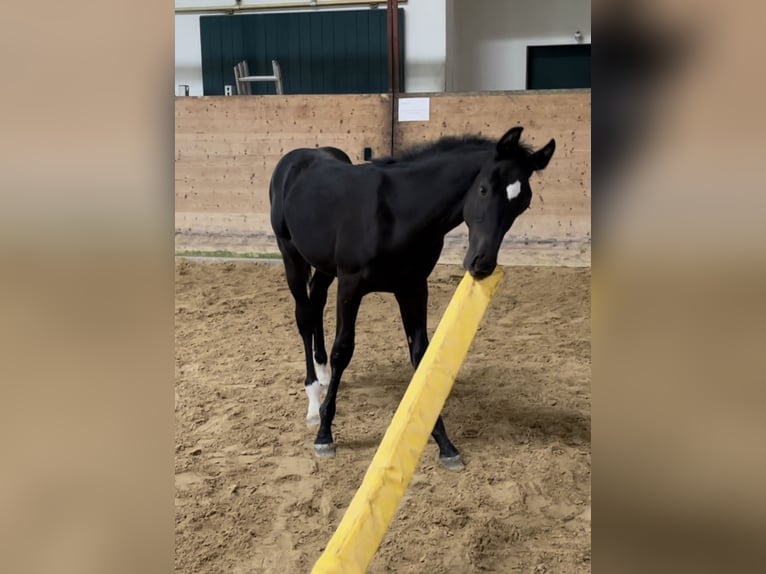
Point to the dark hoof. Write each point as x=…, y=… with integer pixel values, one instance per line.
x=324, y=450
x=453, y=463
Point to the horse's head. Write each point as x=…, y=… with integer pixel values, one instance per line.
x=499, y=194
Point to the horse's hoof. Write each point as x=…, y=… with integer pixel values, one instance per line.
x=312, y=421
x=454, y=463
x=324, y=450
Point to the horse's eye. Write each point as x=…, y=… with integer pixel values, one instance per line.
x=482, y=190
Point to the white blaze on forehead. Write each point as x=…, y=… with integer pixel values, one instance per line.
x=513, y=190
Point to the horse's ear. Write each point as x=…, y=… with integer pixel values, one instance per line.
x=542, y=156
x=509, y=141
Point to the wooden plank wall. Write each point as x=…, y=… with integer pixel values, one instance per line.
x=226, y=149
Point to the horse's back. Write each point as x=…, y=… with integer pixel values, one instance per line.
x=334, y=153
x=294, y=162
x=325, y=206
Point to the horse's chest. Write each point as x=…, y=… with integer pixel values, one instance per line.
x=404, y=265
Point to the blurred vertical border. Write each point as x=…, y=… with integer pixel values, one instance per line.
x=86, y=287
x=679, y=329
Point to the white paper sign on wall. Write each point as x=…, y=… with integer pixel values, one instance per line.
x=414, y=109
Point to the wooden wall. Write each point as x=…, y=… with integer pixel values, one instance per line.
x=227, y=147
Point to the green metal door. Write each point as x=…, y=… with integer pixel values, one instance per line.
x=342, y=52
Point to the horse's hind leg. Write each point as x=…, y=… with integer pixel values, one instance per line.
x=320, y=283
x=413, y=305
x=349, y=299
x=297, y=272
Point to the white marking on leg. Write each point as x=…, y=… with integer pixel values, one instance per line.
x=323, y=373
x=312, y=392
x=513, y=190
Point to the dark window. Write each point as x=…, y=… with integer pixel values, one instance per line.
x=558, y=67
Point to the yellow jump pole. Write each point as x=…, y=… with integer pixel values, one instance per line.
x=374, y=505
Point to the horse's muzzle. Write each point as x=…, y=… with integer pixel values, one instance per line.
x=479, y=267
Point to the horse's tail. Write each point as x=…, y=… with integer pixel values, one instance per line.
x=277, y=185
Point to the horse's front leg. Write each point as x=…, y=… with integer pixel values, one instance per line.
x=349, y=299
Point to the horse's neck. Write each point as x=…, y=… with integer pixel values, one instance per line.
x=450, y=184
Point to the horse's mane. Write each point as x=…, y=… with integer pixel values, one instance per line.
x=443, y=145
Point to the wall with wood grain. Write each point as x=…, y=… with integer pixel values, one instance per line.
x=227, y=147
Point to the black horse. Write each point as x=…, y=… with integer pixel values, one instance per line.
x=380, y=226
